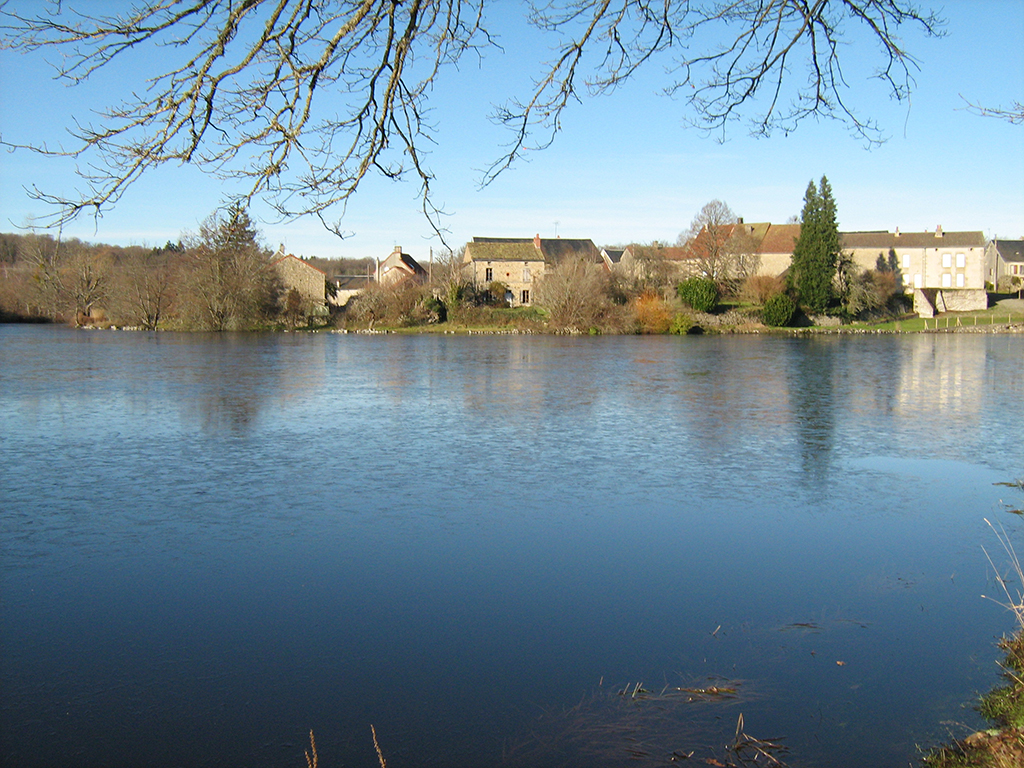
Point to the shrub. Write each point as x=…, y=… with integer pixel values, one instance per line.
x=681, y=324
x=652, y=315
x=386, y=304
x=430, y=310
x=574, y=293
x=757, y=289
x=778, y=311
x=699, y=292
x=498, y=293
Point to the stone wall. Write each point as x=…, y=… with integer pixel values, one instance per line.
x=962, y=301
x=930, y=301
x=307, y=280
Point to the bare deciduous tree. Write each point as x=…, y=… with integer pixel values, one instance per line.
x=649, y=269
x=241, y=94
x=708, y=241
x=71, y=278
x=575, y=292
x=144, y=287
x=449, y=279
x=229, y=283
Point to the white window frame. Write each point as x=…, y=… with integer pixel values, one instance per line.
x=961, y=261
x=959, y=279
x=947, y=280
x=947, y=260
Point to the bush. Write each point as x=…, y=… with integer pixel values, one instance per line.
x=430, y=310
x=498, y=294
x=681, y=324
x=392, y=305
x=778, y=311
x=757, y=289
x=699, y=292
x=652, y=315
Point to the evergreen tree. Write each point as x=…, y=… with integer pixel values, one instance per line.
x=231, y=285
x=816, y=253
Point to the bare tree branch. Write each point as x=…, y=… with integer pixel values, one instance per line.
x=242, y=93
x=1014, y=115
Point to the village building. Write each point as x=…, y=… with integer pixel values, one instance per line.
x=1004, y=264
x=346, y=287
x=399, y=267
x=308, y=282
x=945, y=271
x=519, y=263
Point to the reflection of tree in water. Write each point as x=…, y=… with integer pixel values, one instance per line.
x=229, y=386
x=812, y=394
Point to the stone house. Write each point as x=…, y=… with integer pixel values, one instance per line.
x=775, y=247
x=346, y=287
x=646, y=262
x=399, y=267
x=741, y=249
x=612, y=258
x=308, y=281
x=944, y=270
x=520, y=263
x=1004, y=261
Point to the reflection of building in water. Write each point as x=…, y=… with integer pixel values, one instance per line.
x=942, y=375
x=508, y=380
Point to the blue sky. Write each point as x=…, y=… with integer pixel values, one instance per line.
x=627, y=168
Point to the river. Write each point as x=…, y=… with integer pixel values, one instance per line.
x=501, y=550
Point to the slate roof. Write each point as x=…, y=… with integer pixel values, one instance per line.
x=1010, y=250
x=403, y=261
x=897, y=240
x=351, y=282
x=614, y=254
x=552, y=250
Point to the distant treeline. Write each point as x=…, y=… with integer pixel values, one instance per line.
x=216, y=279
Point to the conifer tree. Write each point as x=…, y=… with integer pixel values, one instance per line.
x=817, y=250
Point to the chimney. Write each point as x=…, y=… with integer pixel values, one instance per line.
x=897, y=231
x=536, y=241
x=739, y=219
x=397, y=251
x=938, y=231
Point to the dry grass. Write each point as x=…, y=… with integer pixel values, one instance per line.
x=312, y=760
x=376, y=745
x=1014, y=600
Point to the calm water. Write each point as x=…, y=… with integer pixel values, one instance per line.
x=212, y=544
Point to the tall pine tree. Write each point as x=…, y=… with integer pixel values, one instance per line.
x=817, y=250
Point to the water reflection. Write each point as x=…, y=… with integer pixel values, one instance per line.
x=211, y=544
x=813, y=395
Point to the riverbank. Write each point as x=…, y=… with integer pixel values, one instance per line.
x=1001, y=746
x=1005, y=316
